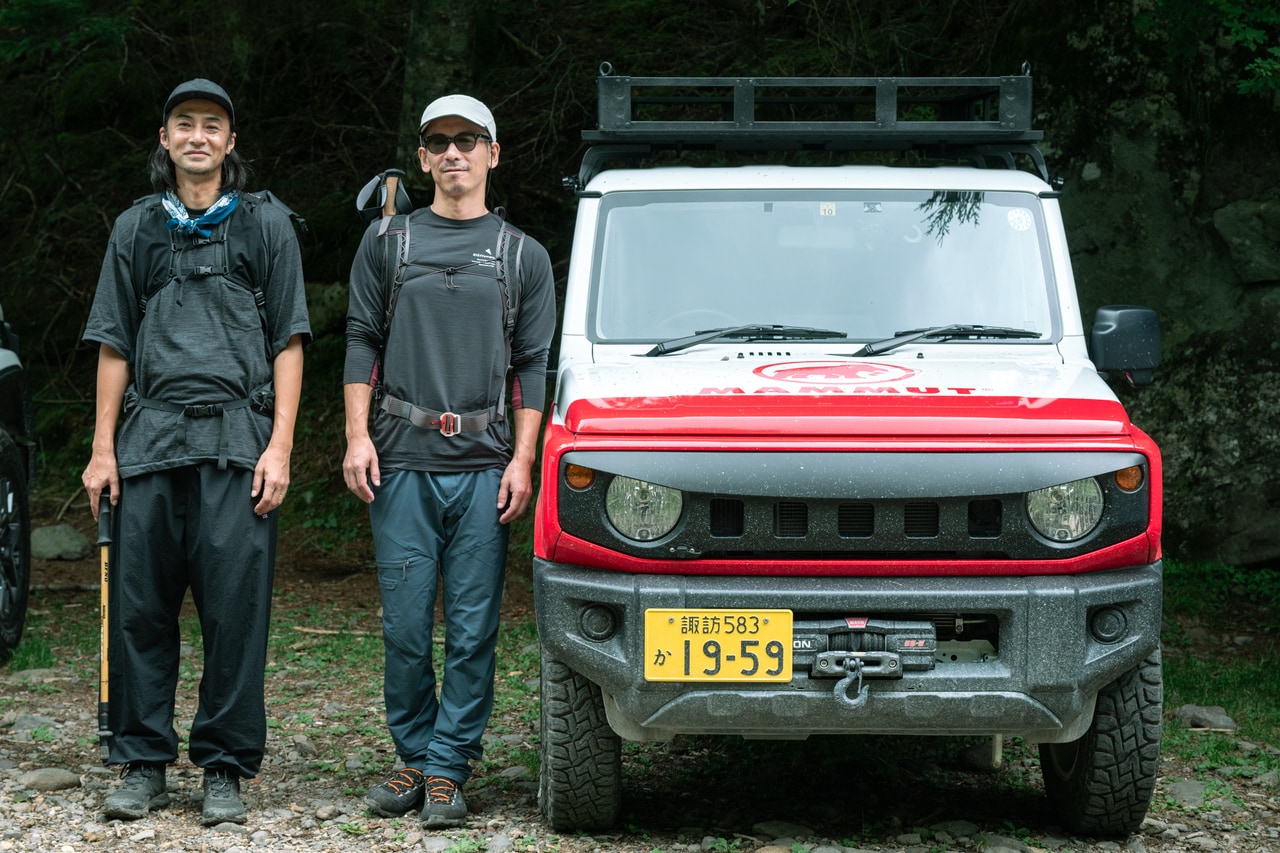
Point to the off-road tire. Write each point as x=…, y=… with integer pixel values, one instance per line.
x=15, y=547
x=1101, y=784
x=580, y=778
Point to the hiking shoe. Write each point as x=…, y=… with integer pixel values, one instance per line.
x=221, y=798
x=398, y=795
x=444, y=805
x=143, y=789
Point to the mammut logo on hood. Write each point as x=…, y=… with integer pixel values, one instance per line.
x=834, y=372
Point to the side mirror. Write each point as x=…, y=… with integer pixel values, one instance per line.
x=1126, y=338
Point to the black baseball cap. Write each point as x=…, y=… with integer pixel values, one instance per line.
x=199, y=88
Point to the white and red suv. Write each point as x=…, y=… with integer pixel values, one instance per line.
x=829, y=451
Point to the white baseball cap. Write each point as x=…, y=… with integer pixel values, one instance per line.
x=463, y=106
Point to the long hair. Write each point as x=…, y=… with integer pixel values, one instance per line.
x=235, y=172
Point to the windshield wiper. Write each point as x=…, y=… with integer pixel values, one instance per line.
x=946, y=332
x=753, y=332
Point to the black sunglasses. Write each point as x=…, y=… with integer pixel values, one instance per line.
x=438, y=143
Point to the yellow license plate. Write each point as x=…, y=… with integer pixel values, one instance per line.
x=717, y=645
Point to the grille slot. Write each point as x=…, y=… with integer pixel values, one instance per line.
x=920, y=520
x=790, y=519
x=986, y=520
x=727, y=517
x=856, y=521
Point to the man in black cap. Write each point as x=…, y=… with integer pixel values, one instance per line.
x=200, y=319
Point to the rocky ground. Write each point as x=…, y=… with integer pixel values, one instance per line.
x=327, y=744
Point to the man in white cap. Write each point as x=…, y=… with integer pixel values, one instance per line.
x=447, y=464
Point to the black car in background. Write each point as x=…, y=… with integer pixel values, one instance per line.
x=17, y=464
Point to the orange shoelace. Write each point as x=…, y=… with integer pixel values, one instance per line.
x=440, y=789
x=405, y=780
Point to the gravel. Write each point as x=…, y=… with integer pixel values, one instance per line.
x=52, y=787
x=327, y=744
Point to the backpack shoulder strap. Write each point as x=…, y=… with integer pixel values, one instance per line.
x=142, y=291
x=394, y=233
x=510, y=293
x=152, y=200
x=268, y=197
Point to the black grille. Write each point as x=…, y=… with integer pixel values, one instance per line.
x=790, y=520
x=850, y=506
x=726, y=517
x=985, y=519
x=920, y=520
x=856, y=521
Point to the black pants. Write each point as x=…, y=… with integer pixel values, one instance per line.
x=190, y=527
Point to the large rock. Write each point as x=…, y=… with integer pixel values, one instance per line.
x=1214, y=409
x=1251, y=231
x=59, y=542
x=1214, y=279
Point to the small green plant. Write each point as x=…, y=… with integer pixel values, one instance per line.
x=41, y=687
x=43, y=734
x=32, y=653
x=355, y=828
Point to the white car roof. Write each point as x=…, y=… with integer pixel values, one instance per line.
x=816, y=177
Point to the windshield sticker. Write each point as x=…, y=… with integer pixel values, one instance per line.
x=827, y=208
x=1020, y=219
x=872, y=207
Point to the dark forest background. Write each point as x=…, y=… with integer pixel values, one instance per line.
x=328, y=94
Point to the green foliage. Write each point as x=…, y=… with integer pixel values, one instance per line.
x=1255, y=26
x=32, y=653
x=1252, y=26
x=43, y=734
x=720, y=845
x=32, y=27
x=1204, y=591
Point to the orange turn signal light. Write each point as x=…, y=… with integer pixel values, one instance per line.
x=579, y=476
x=1130, y=479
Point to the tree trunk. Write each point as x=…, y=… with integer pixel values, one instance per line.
x=437, y=61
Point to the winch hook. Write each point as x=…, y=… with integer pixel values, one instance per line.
x=854, y=666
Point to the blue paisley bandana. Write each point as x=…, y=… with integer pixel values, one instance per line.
x=181, y=221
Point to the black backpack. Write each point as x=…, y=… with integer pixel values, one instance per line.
x=394, y=231
x=250, y=202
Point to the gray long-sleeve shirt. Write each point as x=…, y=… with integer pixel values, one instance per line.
x=446, y=350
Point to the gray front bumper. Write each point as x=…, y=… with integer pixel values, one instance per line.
x=1041, y=685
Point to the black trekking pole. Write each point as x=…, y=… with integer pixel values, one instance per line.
x=104, y=543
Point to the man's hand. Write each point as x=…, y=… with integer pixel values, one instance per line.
x=101, y=473
x=360, y=467
x=270, y=479
x=515, y=491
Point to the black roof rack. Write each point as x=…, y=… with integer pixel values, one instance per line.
x=984, y=119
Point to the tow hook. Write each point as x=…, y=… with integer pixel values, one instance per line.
x=854, y=667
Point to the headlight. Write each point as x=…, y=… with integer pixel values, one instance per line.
x=1067, y=512
x=642, y=511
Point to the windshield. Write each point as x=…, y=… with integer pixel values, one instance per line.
x=866, y=263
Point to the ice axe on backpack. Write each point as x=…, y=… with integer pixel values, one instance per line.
x=384, y=196
x=104, y=543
